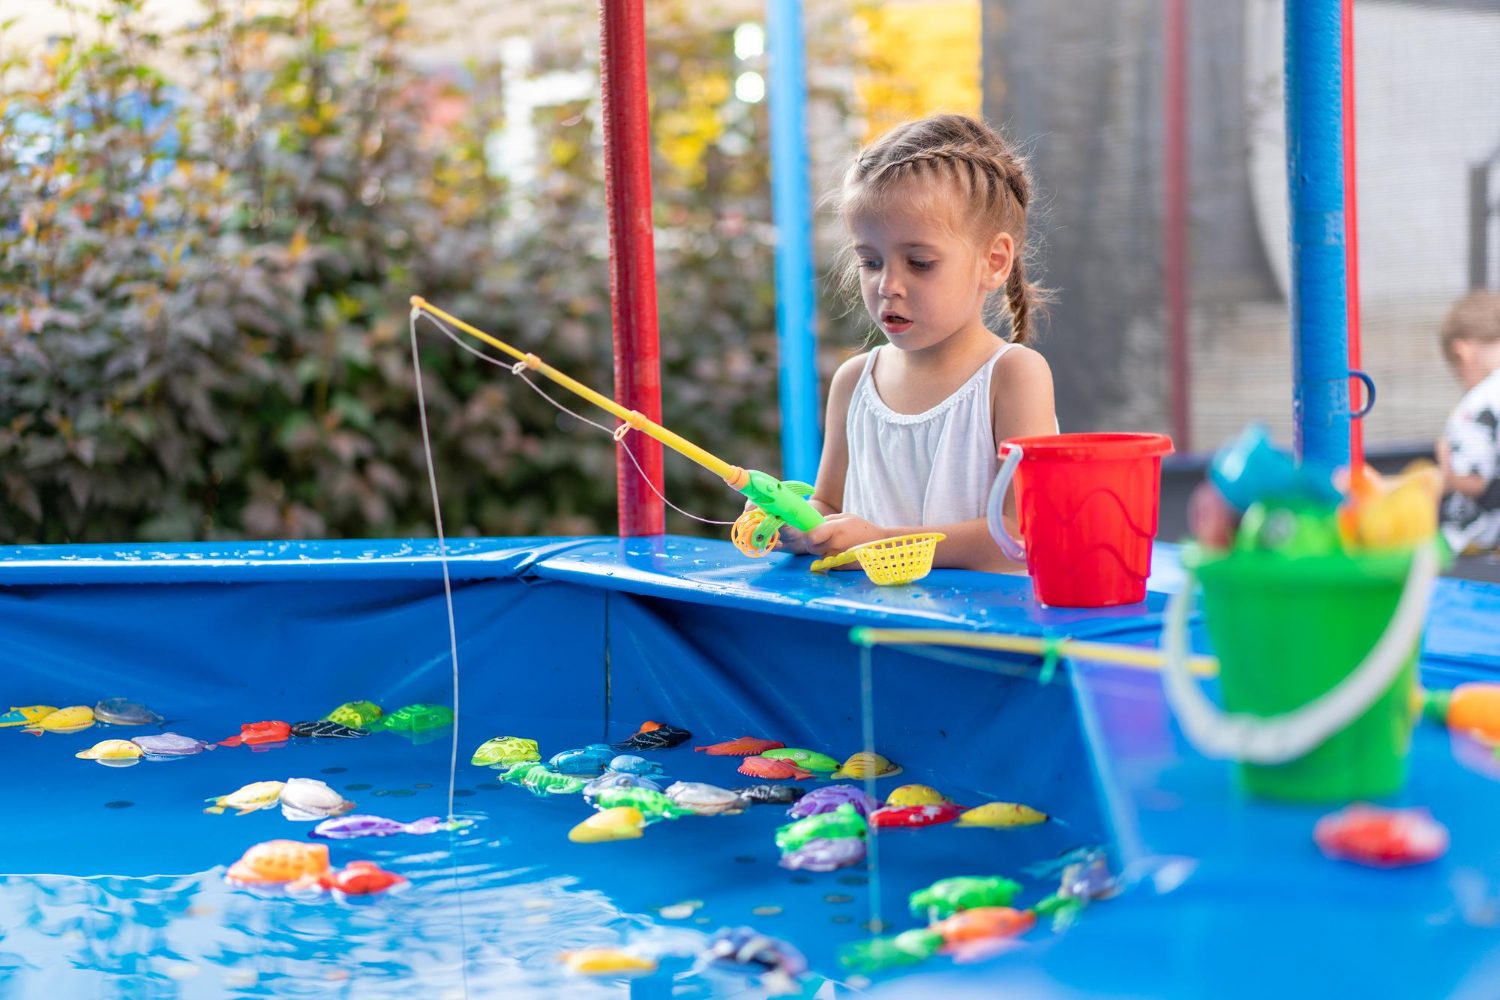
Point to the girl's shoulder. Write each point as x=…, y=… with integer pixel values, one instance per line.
x=1020, y=363
x=846, y=377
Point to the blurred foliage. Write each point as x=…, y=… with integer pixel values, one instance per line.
x=207, y=241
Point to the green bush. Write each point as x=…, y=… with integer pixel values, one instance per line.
x=204, y=275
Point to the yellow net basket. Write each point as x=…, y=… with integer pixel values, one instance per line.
x=889, y=561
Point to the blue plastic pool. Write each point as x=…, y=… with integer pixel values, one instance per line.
x=113, y=880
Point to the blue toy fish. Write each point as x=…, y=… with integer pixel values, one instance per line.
x=591, y=759
x=627, y=763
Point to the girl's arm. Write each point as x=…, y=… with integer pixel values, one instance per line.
x=1021, y=405
x=828, y=489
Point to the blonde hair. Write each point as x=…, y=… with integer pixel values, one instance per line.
x=977, y=164
x=1475, y=317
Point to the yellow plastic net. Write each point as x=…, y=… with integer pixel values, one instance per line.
x=889, y=561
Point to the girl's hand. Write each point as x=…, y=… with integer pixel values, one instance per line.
x=842, y=531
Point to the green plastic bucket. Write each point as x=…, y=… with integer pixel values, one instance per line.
x=1288, y=632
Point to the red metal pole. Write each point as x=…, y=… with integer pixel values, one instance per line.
x=1175, y=223
x=632, y=254
x=1351, y=241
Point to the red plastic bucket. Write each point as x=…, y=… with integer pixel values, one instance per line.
x=1087, y=506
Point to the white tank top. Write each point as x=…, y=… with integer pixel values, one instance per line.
x=913, y=469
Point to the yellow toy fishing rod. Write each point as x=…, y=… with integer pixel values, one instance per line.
x=781, y=502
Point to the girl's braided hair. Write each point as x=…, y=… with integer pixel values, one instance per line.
x=985, y=171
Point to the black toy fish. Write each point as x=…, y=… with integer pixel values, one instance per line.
x=655, y=736
x=772, y=795
x=323, y=729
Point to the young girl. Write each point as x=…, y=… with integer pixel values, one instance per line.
x=936, y=212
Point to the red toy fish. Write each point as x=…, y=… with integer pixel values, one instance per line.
x=775, y=770
x=745, y=746
x=1381, y=838
x=253, y=733
x=893, y=817
x=361, y=878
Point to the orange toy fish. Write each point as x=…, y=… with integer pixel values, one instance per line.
x=280, y=862
x=745, y=746
x=775, y=770
x=984, y=923
x=254, y=733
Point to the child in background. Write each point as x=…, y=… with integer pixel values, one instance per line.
x=936, y=212
x=1469, y=451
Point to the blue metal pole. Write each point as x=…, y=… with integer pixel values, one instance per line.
x=1315, y=184
x=791, y=210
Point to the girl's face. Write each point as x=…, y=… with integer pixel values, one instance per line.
x=920, y=275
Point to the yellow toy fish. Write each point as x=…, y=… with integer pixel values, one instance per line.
x=867, y=765
x=607, y=962
x=619, y=823
x=915, y=795
x=112, y=753
x=26, y=715
x=73, y=719
x=1393, y=514
x=1002, y=816
x=256, y=795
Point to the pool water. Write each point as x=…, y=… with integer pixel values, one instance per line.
x=124, y=893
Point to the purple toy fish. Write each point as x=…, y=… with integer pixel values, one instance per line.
x=350, y=827
x=826, y=855
x=170, y=745
x=830, y=797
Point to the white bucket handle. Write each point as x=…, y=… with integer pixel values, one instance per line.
x=1014, y=549
x=1297, y=733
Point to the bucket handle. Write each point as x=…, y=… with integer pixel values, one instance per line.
x=1014, y=549
x=1297, y=733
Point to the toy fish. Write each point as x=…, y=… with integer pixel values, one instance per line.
x=779, y=962
x=617, y=779
x=259, y=734
x=73, y=719
x=825, y=854
x=845, y=821
x=830, y=797
x=306, y=799
x=867, y=765
x=652, y=805
x=771, y=795
x=627, y=763
x=1381, y=838
x=948, y=896
x=588, y=760
x=616, y=823
x=360, y=825
x=280, y=862
x=415, y=719
x=26, y=715
x=505, y=751
x=706, y=800
x=655, y=736
x=1088, y=878
x=606, y=962
x=538, y=779
x=879, y=954
x=912, y=817
x=915, y=795
x=124, y=712
x=808, y=759
x=1001, y=816
x=160, y=745
x=1395, y=515
x=112, y=753
x=774, y=770
x=355, y=714
x=984, y=923
x=256, y=795
x=362, y=878
x=745, y=746
x=322, y=729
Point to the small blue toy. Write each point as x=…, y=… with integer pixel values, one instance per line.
x=1251, y=469
x=588, y=760
x=627, y=763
